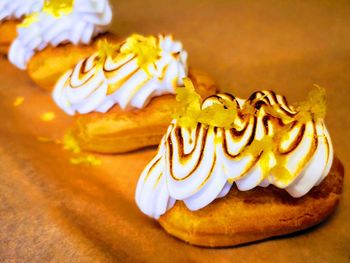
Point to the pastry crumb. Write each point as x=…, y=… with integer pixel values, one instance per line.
x=18, y=101
x=70, y=143
x=48, y=116
x=88, y=160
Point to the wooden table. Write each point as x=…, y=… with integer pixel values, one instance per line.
x=52, y=211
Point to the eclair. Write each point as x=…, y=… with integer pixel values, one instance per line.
x=51, y=41
x=11, y=14
x=123, y=95
x=230, y=171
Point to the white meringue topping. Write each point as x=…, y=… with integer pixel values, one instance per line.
x=87, y=19
x=120, y=79
x=200, y=164
x=16, y=9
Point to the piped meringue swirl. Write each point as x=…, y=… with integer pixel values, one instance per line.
x=96, y=86
x=87, y=19
x=16, y=9
x=200, y=164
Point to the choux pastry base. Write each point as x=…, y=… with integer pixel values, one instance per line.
x=8, y=34
x=119, y=131
x=243, y=217
x=48, y=65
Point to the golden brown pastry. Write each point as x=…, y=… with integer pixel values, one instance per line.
x=8, y=34
x=230, y=171
x=118, y=131
x=243, y=217
x=47, y=66
x=12, y=13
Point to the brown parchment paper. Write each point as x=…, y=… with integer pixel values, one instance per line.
x=51, y=211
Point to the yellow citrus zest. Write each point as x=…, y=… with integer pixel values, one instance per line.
x=146, y=50
x=189, y=112
x=18, y=101
x=106, y=49
x=282, y=173
x=70, y=143
x=263, y=148
x=29, y=20
x=87, y=159
x=222, y=113
x=48, y=116
x=272, y=163
x=314, y=107
x=58, y=8
x=189, y=104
